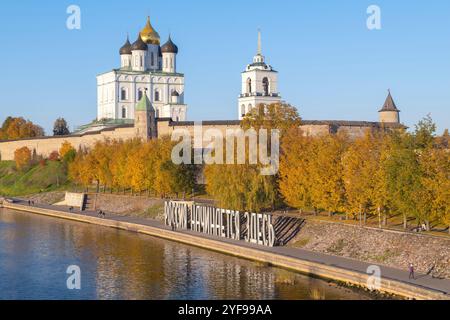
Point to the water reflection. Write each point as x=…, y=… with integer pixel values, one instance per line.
x=36, y=251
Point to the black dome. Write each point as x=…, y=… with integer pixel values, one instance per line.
x=126, y=49
x=139, y=44
x=169, y=47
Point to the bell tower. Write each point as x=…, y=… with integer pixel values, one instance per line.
x=259, y=84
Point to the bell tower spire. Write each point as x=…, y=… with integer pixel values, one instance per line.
x=259, y=42
x=259, y=58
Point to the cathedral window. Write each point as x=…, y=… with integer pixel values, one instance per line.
x=266, y=86
x=243, y=110
x=140, y=93
x=123, y=94
x=124, y=113
x=157, y=95
x=152, y=59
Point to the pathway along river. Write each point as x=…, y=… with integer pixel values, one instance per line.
x=35, y=252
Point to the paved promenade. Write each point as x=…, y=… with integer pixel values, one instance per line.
x=421, y=281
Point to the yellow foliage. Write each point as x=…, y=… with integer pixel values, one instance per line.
x=22, y=157
x=65, y=148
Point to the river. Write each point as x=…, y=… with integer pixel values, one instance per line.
x=35, y=252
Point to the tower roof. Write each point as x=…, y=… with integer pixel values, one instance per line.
x=149, y=35
x=144, y=104
x=139, y=44
x=126, y=48
x=389, y=104
x=169, y=47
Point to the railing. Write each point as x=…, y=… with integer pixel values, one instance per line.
x=258, y=94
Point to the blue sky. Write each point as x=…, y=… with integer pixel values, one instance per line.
x=330, y=65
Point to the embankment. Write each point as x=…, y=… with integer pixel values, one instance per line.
x=430, y=255
x=245, y=251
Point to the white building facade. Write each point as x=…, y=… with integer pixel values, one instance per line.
x=145, y=68
x=259, y=84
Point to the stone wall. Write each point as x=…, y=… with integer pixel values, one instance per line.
x=390, y=248
x=45, y=146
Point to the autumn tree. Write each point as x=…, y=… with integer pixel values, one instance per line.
x=242, y=186
x=133, y=165
x=327, y=189
x=403, y=172
x=434, y=197
x=67, y=152
x=53, y=156
x=295, y=181
x=22, y=157
x=19, y=128
x=361, y=175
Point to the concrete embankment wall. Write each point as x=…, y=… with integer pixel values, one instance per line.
x=307, y=267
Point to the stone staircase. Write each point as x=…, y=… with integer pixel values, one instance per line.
x=90, y=202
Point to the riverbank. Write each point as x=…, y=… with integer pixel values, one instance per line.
x=349, y=271
x=391, y=248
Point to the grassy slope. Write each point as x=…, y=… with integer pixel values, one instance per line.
x=37, y=179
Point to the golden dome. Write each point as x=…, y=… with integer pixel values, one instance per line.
x=149, y=35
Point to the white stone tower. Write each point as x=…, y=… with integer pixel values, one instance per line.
x=259, y=84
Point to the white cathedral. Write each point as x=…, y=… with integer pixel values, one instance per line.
x=145, y=68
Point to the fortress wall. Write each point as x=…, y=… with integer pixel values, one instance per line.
x=165, y=129
x=354, y=132
x=45, y=146
x=315, y=130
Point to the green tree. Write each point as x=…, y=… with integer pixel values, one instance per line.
x=60, y=127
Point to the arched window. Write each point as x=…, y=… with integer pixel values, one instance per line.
x=157, y=95
x=140, y=94
x=243, y=110
x=266, y=86
x=124, y=113
x=249, y=85
x=123, y=94
x=141, y=59
x=152, y=58
x=249, y=108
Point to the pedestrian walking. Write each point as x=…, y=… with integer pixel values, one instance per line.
x=411, y=271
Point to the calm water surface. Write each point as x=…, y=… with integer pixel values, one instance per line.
x=35, y=252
